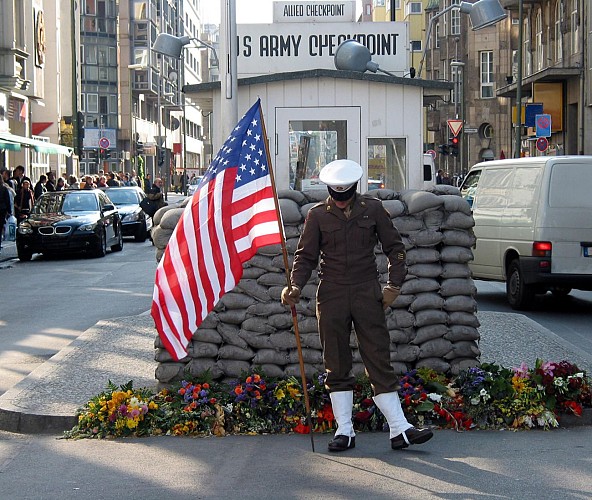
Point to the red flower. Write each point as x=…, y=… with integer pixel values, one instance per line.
x=238, y=390
x=362, y=416
x=302, y=429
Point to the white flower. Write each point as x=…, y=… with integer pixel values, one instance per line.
x=435, y=397
x=475, y=401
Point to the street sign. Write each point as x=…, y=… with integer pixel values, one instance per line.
x=542, y=144
x=431, y=152
x=543, y=125
x=470, y=130
x=104, y=143
x=455, y=126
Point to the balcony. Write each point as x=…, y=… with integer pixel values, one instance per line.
x=513, y=4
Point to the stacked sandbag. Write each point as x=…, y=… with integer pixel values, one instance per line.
x=432, y=324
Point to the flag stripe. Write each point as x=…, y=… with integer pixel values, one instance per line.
x=230, y=216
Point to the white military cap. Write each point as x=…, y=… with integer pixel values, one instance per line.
x=341, y=175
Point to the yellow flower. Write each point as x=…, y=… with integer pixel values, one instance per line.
x=280, y=394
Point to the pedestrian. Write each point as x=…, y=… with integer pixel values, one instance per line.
x=24, y=201
x=73, y=182
x=155, y=193
x=5, y=207
x=40, y=187
x=343, y=231
x=50, y=185
x=19, y=176
x=60, y=184
x=112, y=180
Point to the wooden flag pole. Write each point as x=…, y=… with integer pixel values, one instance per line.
x=287, y=268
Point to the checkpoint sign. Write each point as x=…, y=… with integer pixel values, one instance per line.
x=104, y=143
x=455, y=126
x=542, y=144
x=543, y=125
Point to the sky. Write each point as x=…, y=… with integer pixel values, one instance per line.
x=247, y=11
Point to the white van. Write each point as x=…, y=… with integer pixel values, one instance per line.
x=533, y=224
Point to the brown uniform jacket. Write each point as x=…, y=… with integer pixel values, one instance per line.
x=346, y=245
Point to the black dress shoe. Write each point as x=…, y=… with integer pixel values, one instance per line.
x=342, y=443
x=411, y=436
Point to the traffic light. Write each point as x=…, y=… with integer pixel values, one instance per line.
x=92, y=154
x=161, y=158
x=443, y=149
x=139, y=147
x=453, y=146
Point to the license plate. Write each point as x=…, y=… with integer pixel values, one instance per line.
x=587, y=251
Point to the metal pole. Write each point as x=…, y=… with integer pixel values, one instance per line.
x=228, y=76
x=518, y=146
x=184, y=129
x=159, y=145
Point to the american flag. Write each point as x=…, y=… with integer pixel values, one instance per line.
x=229, y=217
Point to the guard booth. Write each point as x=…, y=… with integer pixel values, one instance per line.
x=314, y=113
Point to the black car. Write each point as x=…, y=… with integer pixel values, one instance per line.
x=134, y=221
x=70, y=221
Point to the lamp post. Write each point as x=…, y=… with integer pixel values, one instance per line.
x=483, y=13
x=518, y=147
x=460, y=102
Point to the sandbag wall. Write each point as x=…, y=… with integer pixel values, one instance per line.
x=431, y=324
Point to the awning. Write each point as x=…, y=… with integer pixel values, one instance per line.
x=14, y=142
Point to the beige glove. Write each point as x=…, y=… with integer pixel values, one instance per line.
x=290, y=297
x=389, y=295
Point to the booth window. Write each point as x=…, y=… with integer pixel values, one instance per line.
x=313, y=144
x=387, y=163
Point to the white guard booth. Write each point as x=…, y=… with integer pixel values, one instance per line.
x=314, y=113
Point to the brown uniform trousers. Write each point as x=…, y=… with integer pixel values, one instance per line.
x=349, y=292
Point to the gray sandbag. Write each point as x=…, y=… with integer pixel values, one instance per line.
x=304, y=209
x=169, y=372
x=308, y=355
x=460, y=364
x=233, y=316
x=264, y=262
x=425, y=238
x=159, y=254
x=199, y=349
x=460, y=255
x=311, y=340
x=454, y=270
x=160, y=213
x=163, y=356
x=233, y=367
x=170, y=218
x=405, y=353
x=207, y=335
x=458, y=220
x=464, y=349
x=229, y=334
x=443, y=189
x=266, y=309
x=402, y=301
x=384, y=194
x=408, y=224
x=356, y=356
x=430, y=317
x=419, y=285
x=425, y=270
x=160, y=236
x=454, y=203
x=256, y=340
x=460, y=303
x=272, y=356
x=381, y=263
x=254, y=289
x=353, y=340
x=293, y=195
x=395, y=208
x=399, y=367
x=202, y=366
x=258, y=324
x=316, y=194
x=234, y=300
x=252, y=272
x=458, y=237
x=358, y=369
x=281, y=321
x=273, y=371
x=463, y=318
x=290, y=211
x=432, y=219
x=462, y=332
x=210, y=321
x=437, y=364
x=399, y=319
x=422, y=256
x=429, y=300
x=457, y=286
x=309, y=291
x=283, y=340
x=429, y=332
x=270, y=250
x=235, y=352
x=435, y=348
x=308, y=325
x=402, y=335
x=417, y=201
x=293, y=370
x=278, y=261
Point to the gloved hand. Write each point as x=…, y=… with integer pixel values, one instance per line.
x=389, y=295
x=291, y=297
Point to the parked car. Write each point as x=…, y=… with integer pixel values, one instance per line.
x=134, y=221
x=532, y=224
x=70, y=221
x=193, y=184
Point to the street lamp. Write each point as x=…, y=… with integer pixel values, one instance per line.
x=483, y=13
x=518, y=148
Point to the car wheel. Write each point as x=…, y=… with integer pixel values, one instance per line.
x=118, y=247
x=560, y=291
x=519, y=294
x=101, y=248
x=141, y=234
x=23, y=253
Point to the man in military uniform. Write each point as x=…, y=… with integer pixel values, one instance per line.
x=343, y=231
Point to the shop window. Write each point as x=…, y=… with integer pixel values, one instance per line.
x=387, y=163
